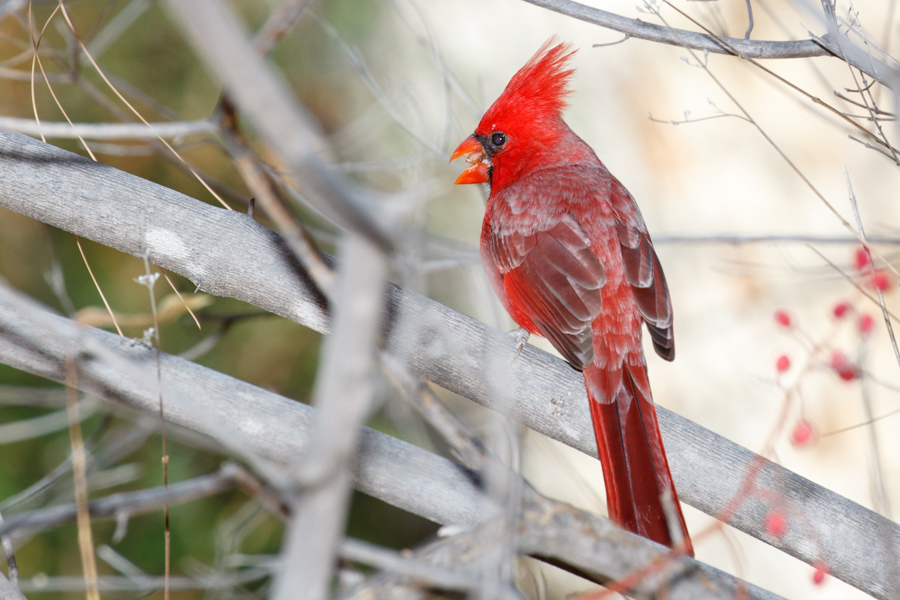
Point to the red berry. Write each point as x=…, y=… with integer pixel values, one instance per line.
x=845, y=369
x=783, y=363
x=802, y=434
x=861, y=258
x=820, y=573
x=775, y=524
x=881, y=280
x=841, y=309
x=866, y=325
x=782, y=318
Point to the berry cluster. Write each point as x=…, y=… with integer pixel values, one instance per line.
x=873, y=284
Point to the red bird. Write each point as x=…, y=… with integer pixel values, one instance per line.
x=567, y=251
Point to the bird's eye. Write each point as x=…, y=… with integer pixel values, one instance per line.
x=498, y=138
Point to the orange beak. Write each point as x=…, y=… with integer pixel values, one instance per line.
x=477, y=171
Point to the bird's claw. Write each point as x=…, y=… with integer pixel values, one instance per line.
x=521, y=336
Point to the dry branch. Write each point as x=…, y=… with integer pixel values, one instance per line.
x=8, y=591
x=344, y=388
x=826, y=45
x=108, y=131
x=270, y=430
x=343, y=396
x=227, y=254
x=265, y=428
x=144, y=583
x=132, y=503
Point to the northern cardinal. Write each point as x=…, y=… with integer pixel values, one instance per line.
x=566, y=249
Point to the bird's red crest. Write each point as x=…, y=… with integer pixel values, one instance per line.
x=540, y=87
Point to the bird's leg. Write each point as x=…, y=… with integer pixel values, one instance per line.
x=521, y=336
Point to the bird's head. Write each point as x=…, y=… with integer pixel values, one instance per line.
x=523, y=123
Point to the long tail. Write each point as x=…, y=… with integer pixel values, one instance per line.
x=635, y=468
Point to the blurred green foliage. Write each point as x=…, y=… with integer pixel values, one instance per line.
x=150, y=63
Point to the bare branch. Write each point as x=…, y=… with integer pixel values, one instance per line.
x=344, y=390
x=12, y=566
x=262, y=186
x=24, y=429
x=409, y=568
x=227, y=254
x=258, y=424
x=821, y=46
x=279, y=24
x=750, y=20
x=133, y=503
x=108, y=131
x=9, y=591
x=768, y=238
x=145, y=583
x=343, y=395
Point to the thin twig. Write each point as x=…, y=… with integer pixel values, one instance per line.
x=866, y=423
x=149, y=279
x=874, y=109
x=878, y=487
x=823, y=46
x=831, y=20
x=119, y=583
x=184, y=303
x=853, y=282
x=295, y=233
x=871, y=266
x=24, y=429
x=687, y=119
x=279, y=23
x=467, y=446
x=108, y=131
x=133, y=109
x=738, y=239
x=372, y=83
x=57, y=480
x=750, y=19
x=814, y=99
x=880, y=495
x=112, y=314
x=624, y=39
x=114, y=29
x=79, y=474
x=766, y=136
x=411, y=569
x=134, y=503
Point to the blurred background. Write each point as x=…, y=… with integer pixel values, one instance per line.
x=396, y=85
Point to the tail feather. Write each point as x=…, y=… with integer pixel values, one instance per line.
x=635, y=468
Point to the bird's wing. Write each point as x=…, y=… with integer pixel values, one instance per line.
x=648, y=285
x=553, y=277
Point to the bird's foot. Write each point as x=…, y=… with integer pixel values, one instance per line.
x=521, y=336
